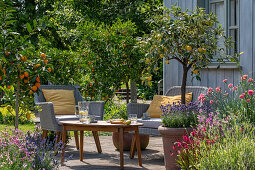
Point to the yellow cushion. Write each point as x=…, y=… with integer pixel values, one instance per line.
x=158, y=100
x=63, y=100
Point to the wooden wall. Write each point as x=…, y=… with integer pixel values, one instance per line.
x=212, y=77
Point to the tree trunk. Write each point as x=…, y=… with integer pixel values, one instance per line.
x=17, y=104
x=127, y=99
x=184, y=82
x=133, y=92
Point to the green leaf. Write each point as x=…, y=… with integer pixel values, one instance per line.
x=35, y=23
x=29, y=29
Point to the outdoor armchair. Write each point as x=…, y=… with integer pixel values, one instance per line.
x=48, y=119
x=151, y=125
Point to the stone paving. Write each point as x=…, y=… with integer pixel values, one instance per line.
x=152, y=157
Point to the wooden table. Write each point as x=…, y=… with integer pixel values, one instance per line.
x=106, y=127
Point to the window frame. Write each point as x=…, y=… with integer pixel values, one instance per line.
x=227, y=20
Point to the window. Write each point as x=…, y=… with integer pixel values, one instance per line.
x=227, y=12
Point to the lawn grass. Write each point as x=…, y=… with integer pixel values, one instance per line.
x=23, y=128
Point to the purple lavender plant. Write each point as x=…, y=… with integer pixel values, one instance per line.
x=27, y=151
x=180, y=115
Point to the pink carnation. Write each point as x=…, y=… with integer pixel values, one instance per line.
x=241, y=96
x=235, y=88
x=248, y=100
x=201, y=98
x=225, y=80
x=217, y=89
x=250, y=80
x=244, y=77
x=211, y=101
x=250, y=92
x=230, y=85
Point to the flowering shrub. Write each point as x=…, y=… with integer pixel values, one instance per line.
x=188, y=150
x=238, y=100
x=217, y=144
x=26, y=151
x=181, y=115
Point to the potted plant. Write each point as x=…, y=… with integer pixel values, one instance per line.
x=177, y=120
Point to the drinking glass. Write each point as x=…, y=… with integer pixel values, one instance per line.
x=83, y=110
x=85, y=119
x=133, y=118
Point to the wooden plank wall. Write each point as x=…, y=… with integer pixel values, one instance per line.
x=172, y=75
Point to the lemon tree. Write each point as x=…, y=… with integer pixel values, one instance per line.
x=22, y=67
x=190, y=37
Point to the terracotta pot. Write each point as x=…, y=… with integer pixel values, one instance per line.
x=144, y=140
x=169, y=137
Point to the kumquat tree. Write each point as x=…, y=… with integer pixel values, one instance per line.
x=21, y=66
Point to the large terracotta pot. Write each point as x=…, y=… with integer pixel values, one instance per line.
x=169, y=137
x=144, y=140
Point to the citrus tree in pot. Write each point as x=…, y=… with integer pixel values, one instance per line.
x=193, y=38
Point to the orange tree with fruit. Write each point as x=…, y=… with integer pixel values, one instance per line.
x=190, y=37
x=21, y=67
x=113, y=57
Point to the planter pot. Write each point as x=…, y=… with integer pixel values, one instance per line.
x=144, y=140
x=169, y=137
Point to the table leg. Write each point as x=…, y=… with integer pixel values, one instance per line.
x=133, y=147
x=138, y=146
x=97, y=141
x=76, y=139
x=64, y=143
x=121, y=134
x=81, y=144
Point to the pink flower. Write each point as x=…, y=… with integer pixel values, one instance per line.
x=248, y=100
x=201, y=98
x=209, y=91
x=250, y=92
x=244, y=77
x=172, y=154
x=250, y=80
x=225, y=80
x=244, y=93
x=174, y=148
x=235, y=88
x=226, y=94
x=241, y=96
x=185, y=138
x=179, y=144
x=211, y=101
x=230, y=85
x=217, y=89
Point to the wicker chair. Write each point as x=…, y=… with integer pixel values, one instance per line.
x=151, y=126
x=48, y=119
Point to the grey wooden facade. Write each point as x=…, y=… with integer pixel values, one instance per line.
x=211, y=76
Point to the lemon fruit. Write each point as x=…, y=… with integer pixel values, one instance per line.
x=128, y=122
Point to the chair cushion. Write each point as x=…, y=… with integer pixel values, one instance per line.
x=158, y=100
x=63, y=100
x=150, y=123
x=67, y=117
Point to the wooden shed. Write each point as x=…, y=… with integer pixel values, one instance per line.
x=238, y=19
